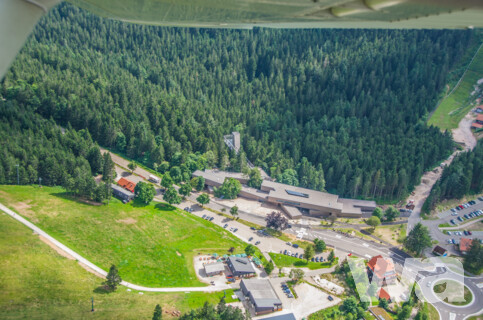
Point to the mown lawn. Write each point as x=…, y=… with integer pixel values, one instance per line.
x=38, y=283
x=283, y=261
x=455, y=106
x=151, y=245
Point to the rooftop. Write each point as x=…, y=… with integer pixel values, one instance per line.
x=479, y=117
x=126, y=184
x=214, y=267
x=241, y=264
x=262, y=292
x=288, y=316
x=465, y=244
x=298, y=194
x=439, y=250
x=380, y=266
x=118, y=188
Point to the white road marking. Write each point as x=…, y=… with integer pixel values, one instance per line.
x=365, y=245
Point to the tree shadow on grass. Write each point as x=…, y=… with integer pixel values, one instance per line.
x=300, y=263
x=80, y=200
x=102, y=290
x=164, y=207
x=136, y=203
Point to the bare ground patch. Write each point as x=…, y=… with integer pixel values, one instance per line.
x=127, y=221
x=50, y=244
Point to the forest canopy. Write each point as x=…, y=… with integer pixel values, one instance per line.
x=342, y=110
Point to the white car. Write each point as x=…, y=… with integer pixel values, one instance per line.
x=429, y=284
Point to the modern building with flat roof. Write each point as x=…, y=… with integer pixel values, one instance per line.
x=261, y=295
x=241, y=267
x=293, y=201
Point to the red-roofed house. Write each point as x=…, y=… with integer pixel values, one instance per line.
x=476, y=125
x=479, y=119
x=126, y=184
x=465, y=244
x=382, y=294
x=381, y=270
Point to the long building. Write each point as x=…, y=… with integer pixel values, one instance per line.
x=261, y=295
x=294, y=201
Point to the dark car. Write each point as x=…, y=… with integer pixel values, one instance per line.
x=296, y=255
x=460, y=219
x=211, y=219
x=295, y=245
x=458, y=208
x=226, y=225
x=236, y=229
x=465, y=232
x=469, y=233
x=301, y=256
x=257, y=243
x=253, y=228
x=203, y=216
x=313, y=259
x=250, y=239
x=330, y=298
x=316, y=259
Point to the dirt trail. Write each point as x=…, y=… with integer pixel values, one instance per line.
x=461, y=135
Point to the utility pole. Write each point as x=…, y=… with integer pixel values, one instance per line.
x=18, y=179
x=40, y=182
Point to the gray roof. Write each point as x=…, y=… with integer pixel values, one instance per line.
x=241, y=264
x=358, y=203
x=122, y=190
x=262, y=292
x=316, y=198
x=288, y=316
x=214, y=267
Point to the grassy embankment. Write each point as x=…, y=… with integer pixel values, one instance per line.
x=38, y=283
x=457, y=103
x=152, y=245
x=440, y=287
x=283, y=261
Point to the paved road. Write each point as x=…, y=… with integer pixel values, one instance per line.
x=451, y=312
x=98, y=270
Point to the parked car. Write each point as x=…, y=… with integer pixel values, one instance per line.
x=330, y=298
x=226, y=225
x=466, y=216
x=284, y=251
x=235, y=230
x=452, y=240
x=296, y=255
x=452, y=221
x=480, y=198
x=289, y=243
x=460, y=219
x=449, y=241
x=204, y=216
x=458, y=208
x=469, y=233
x=251, y=238
x=231, y=229
x=257, y=243
x=253, y=228
x=301, y=256
x=313, y=259
x=454, y=213
x=449, y=233
x=295, y=245
x=465, y=232
x=316, y=259
x=453, y=210
x=211, y=219
x=290, y=296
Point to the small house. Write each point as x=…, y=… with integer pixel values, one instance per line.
x=440, y=251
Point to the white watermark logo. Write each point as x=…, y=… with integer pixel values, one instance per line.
x=439, y=279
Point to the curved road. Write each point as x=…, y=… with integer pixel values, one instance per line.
x=451, y=312
x=98, y=270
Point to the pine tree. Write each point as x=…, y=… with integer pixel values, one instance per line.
x=113, y=279
x=158, y=313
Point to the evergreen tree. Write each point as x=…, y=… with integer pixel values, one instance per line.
x=158, y=313
x=113, y=279
x=418, y=239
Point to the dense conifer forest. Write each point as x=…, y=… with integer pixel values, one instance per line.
x=463, y=176
x=342, y=110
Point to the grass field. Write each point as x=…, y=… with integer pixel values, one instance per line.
x=440, y=287
x=456, y=105
x=393, y=234
x=283, y=261
x=37, y=283
x=151, y=245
